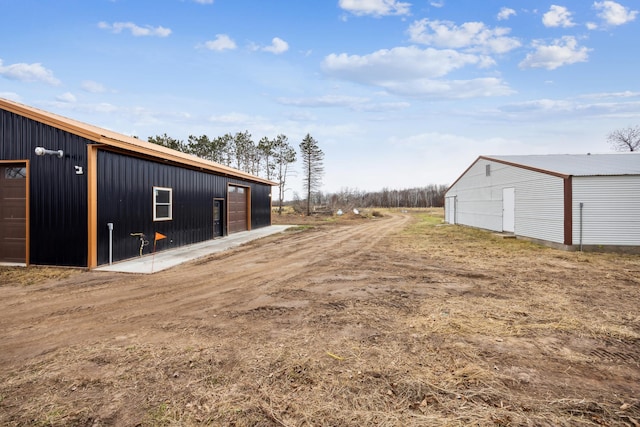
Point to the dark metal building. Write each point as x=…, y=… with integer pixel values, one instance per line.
x=72, y=194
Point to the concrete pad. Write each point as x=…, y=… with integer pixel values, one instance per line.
x=149, y=264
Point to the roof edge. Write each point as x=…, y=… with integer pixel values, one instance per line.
x=124, y=142
x=521, y=166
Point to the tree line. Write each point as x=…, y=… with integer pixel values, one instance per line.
x=349, y=198
x=268, y=158
x=273, y=159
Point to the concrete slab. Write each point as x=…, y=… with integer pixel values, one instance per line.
x=149, y=264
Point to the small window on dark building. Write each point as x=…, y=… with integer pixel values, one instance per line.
x=15, y=173
x=488, y=170
x=162, y=204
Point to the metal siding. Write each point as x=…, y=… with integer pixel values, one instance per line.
x=260, y=205
x=478, y=204
x=125, y=198
x=539, y=200
x=611, y=214
x=58, y=197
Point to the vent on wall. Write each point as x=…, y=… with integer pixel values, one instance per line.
x=487, y=170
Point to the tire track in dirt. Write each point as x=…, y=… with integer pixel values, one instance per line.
x=40, y=319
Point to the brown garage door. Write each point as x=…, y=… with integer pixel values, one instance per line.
x=237, y=209
x=13, y=221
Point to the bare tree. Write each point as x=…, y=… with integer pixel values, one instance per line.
x=283, y=156
x=312, y=157
x=627, y=139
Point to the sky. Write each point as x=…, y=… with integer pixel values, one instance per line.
x=398, y=94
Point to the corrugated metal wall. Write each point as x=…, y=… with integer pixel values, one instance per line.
x=539, y=207
x=125, y=198
x=260, y=205
x=58, y=196
x=611, y=210
x=58, y=204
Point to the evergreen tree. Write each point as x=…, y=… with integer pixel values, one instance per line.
x=167, y=141
x=312, y=157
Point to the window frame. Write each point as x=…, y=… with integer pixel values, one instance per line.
x=157, y=204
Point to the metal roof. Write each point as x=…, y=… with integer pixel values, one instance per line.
x=577, y=164
x=124, y=142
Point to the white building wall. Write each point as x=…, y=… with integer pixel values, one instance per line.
x=539, y=200
x=611, y=210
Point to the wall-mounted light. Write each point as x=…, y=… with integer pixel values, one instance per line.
x=41, y=151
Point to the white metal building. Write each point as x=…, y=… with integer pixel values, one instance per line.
x=589, y=201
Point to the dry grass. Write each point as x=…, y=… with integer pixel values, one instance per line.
x=444, y=325
x=21, y=276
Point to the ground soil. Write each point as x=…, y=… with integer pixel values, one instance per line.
x=359, y=320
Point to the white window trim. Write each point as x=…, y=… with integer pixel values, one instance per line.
x=156, y=204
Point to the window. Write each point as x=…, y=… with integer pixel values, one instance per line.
x=15, y=173
x=162, y=204
x=487, y=170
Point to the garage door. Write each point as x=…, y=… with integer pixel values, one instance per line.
x=13, y=221
x=238, y=212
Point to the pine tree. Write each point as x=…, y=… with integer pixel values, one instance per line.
x=312, y=157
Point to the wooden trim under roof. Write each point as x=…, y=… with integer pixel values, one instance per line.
x=124, y=142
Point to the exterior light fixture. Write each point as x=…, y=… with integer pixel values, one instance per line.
x=41, y=151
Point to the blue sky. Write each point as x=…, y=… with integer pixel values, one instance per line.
x=398, y=94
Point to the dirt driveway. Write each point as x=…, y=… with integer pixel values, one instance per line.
x=390, y=321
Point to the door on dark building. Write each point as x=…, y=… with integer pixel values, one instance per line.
x=217, y=218
x=13, y=213
x=238, y=209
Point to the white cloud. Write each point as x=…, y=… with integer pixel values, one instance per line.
x=67, y=97
x=540, y=105
x=375, y=7
x=505, y=13
x=324, y=101
x=399, y=63
x=614, y=13
x=557, y=16
x=605, y=95
x=137, y=31
x=278, y=46
x=449, y=89
x=381, y=107
x=204, y=1
x=437, y=4
x=474, y=36
x=351, y=102
x=231, y=118
x=563, y=51
x=10, y=95
x=92, y=87
x=28, y=73
x=411, y=71
x=539, y=108
x=221, y=42
x=591, y=26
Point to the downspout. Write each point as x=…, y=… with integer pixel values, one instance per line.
x=110, y=227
